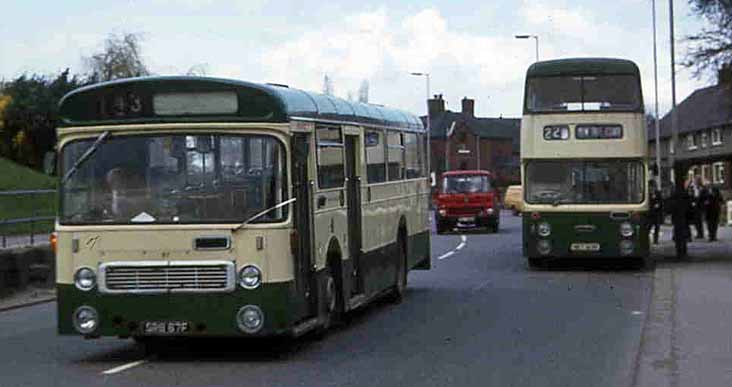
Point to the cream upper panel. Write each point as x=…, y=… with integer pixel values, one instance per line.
x=633, y=144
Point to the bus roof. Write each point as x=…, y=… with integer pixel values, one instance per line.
x=133, y=100
x=582, y=66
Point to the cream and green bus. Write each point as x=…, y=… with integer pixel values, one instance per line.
x=584, y=160
x=195, y=206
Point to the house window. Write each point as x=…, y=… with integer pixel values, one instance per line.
x=704, y=139
x=717, y=136
x=691, y=141
x=718, y=172
x=693, y=172
x=671, y=146
x=706, y=173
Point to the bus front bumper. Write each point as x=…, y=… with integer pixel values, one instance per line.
x=204, y=314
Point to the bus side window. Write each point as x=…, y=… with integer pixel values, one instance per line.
x=375, y=162
x=413, y=156
x=330, y=157
x=395, y=155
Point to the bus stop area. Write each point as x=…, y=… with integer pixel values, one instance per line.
x=687, y=338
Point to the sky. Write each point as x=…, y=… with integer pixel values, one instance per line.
x=468, y=46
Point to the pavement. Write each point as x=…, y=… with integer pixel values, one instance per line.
x=687, y=338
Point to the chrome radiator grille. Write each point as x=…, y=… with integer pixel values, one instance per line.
x=167, y=276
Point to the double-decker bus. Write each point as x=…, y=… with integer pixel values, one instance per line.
x=208, y=207
x=584, y=160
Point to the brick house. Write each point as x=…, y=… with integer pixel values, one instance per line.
x=704, y=145
x=470, y=142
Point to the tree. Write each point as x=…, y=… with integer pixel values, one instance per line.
x=121, y=58
x=711, y=48
x=30, y=116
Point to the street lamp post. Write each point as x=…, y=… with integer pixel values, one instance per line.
x=536, y=40
x=655, y=84
x=429, y=123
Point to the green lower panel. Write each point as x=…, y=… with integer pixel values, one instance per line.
x=211, y=314
x=569, y=228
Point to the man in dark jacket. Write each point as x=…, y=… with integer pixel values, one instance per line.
x=713, y=207
x=679, y=206
x=697, y=193
x=655, y=214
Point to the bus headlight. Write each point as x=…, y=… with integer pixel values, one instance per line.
x=544, y=247
x=544, y=229
x=626, y=247
x=250, y=277
x=86, y=320
x=85, y=279
x=250, y=319
x=626, y=230
x=442, y=212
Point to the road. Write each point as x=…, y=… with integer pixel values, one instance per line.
x=480, y=317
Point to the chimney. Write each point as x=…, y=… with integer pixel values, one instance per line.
x=468, y=107
x=436, y=105
x=724, y=74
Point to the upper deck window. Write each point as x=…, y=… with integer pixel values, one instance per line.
x=583, y=93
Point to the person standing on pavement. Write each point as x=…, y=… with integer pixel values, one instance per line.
x=655, y=214
x=680, y=208
x=713, y=208
x=696, y=192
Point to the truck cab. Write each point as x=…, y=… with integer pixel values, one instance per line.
x=466, y=199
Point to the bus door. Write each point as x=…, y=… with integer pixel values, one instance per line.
x=353, y=192
x=303, y=190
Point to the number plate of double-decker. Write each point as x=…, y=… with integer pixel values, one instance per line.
x=585, y=247
x=162, y=328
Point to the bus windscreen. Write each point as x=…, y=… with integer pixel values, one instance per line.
x=583, y=93
x=585, y=182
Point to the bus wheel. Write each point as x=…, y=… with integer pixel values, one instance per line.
x=400, y=284
x=332, y=307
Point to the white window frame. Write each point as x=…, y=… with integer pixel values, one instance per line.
x=706, y=171
x=671, y=149
x=704, y=139
x=718, y=172
x=691, y=142
x=716, y=136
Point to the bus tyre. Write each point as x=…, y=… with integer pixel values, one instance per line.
x=400, y=283
x=331, y=306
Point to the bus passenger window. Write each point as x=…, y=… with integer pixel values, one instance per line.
x=395, y=154
x=375, y=162
x=413, y=156
x=330, y=158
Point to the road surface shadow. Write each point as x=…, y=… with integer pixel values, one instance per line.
x=237, y=349
x=596, y=265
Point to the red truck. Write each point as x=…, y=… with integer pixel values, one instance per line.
x=466, y=199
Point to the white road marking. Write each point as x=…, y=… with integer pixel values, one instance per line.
x=463, y=242
x=121, y=368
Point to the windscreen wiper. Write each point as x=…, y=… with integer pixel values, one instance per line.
x=89, y=152
x=257, y=216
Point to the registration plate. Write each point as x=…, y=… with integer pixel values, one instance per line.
x=165, y=327
x=585, y=247
x=467, y=219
